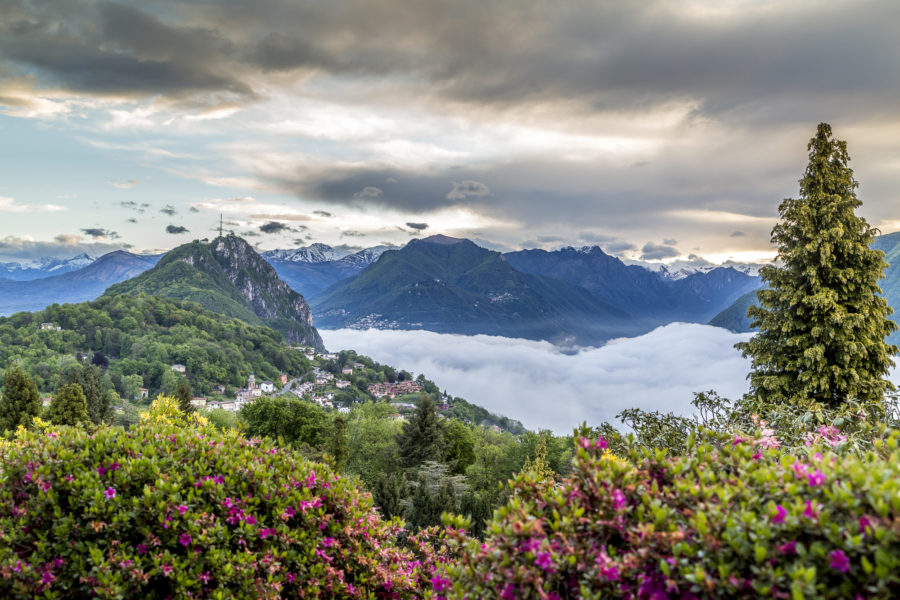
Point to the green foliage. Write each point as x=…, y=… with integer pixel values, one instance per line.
x=337, y=444
x=143, y=336
x=389, y=493
x=422, y=438
x=20, y=402
x=730, y=518
x=292, y=420
x=460, y=445
x=434, y=492
x=69, y=406
x=822, y=321
x=175, y=509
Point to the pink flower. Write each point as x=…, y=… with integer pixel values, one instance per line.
x=509, y=592
x=110, y=493
x=204, y=577
x=619, y=501
x=810, y=512
x=101, y=470
x=801, y=469
x=737, y=440
x=600, y=443
x=185, y=540
x=288, y=513
x=779, y=515
x=788, y=548
x=544, y=561
x=142, y=549
x=864, y=523
x=167, y=569
x=839, y=561
x=182, y=509
x=816, y=478
x=439, y=584
x=610, y=573
x=328, y=542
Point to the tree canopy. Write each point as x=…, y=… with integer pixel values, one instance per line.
x=822, y=322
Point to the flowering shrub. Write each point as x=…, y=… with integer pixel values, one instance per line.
x=179, y=509
x=731, y=518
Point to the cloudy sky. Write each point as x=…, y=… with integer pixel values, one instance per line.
x=653, y=128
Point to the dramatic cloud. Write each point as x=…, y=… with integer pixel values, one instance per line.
x=168, y=209
x=652, y=251
x=467, y=189
x=274, y=227
x=98, y=233
x=544, y=388
x=323, y=213
x=417, y=226
x=369, y=192
x=176, y=229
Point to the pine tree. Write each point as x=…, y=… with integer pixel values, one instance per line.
x=822, y=323
x=69, y=406
x=20, y=402
x=184, y=395
x=389, y=493
x=422, y=438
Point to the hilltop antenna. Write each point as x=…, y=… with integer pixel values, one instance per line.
x=220, y=224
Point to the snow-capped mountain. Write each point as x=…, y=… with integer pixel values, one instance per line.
x=680, y=269
x=43, y=267
x=366, y=257
x=314, y=253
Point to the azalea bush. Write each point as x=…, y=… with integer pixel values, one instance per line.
x=176, y=508
x=732, y=517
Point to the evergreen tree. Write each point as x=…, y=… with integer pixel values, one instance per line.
x=390, y=490
x=69, y=406
x=90, y=378
x=822, y=323
x=20, y=402
x=337, y=445
x=422, y=438
x=539, y=467
x=184, y=395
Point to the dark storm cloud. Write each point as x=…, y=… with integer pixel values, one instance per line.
x=274, y=227
x=652, y=251
x=176, y=229
x=604, y=54
x=417, y=226
x=168, y=209
x=323, y=213
x=97, y=233
x=735, y=234
x=194, y=209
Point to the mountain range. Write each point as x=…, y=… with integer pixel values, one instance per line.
x=568, y=296
x=452, y=285
x=227, y=276
x=79, y=285
x=43, y=267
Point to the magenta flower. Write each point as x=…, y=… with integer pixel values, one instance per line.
x=185, y=540
x=816, y=478
x=101, y=470
x=110, y=493
x=788, y=548
x=142, y=549
x=619, y=501
x=839, y=561
x=779, y=515
x=509, y=592
x=544, y=561
x=439, y=584
x=737, y=440
x=182, y=509
x=610, y=573
x=810, y=512
x=864, y=523
x=204, y=577
x=600, y=443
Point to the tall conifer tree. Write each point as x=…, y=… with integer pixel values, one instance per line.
x=822, y=323
x=422, y=438
x=20, y=402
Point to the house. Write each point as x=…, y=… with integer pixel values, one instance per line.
x=347, y=371
x=46, y=401
x=341, y=384
x=179, y=369
x=391, y=390
x=283, y=379
x=328, y=356
x=198, y=401
x=144, y=393
x=229, y=405
x=267, y=387
x=358, y=365
x=255, y=393
x=50, y=327
x=323, y=377
x=309, y=355
x=303, y=389
x=219, y=389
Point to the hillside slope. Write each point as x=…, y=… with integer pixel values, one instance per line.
x=227, y=276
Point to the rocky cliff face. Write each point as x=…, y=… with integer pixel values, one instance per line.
x=228, y=276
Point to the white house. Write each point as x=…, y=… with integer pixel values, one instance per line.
x=179, y=369
x=267, y=387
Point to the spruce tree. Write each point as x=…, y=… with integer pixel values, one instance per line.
x=422, y=438
x=69, y=406
x=822, y=323
x=20, y=402
x=184, y=395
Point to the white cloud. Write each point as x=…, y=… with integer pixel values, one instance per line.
x=538, y=385
x=9, y=205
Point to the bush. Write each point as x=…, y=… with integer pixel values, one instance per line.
x=731, y=518
x=175, y=508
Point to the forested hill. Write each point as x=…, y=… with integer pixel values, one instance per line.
x=144, y=336
x=227, y=276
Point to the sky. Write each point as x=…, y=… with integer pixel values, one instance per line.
x=654, y=129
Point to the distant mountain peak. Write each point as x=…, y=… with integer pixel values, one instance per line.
x=442, y=239
x=314, y=253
